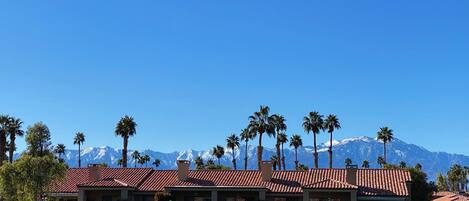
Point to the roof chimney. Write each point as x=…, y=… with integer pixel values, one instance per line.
x=266, y=170
x=351, y=174
x=183, y=169
x=94, y=172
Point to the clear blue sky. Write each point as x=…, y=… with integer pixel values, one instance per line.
x=191, y=72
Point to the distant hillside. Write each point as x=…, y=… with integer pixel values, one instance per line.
x=357, y=148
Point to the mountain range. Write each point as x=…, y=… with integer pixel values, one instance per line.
x=356, y=148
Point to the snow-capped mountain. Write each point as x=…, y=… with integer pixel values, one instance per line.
x=357, y=148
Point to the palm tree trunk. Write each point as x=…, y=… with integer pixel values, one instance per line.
x=279, y=159
x=283, y=158
x=296, y=158
x=259, y=152
x=124, y=153
x=315, y=152
x=12, y=147
x=246, y=157
x=384, y=152
x=234, y=160
x=218, y=161
x=79, y=158
x=2, y=146
x=330, y=152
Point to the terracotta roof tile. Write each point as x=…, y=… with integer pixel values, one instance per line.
x=330, y=184
x=369, y=181
x=109, y=182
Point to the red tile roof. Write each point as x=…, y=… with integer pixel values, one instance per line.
x=109, y=182
x=449, y=196
x=369, y=181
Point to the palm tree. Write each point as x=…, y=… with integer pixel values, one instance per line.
x=282, y=138
x=366, y=164
x=4, y=121
x=331, y=123
x=156, y=163
x=348, y=162
x=146, y=158
x=274, y=160
x=261, y=123
x=60, y=149
x=314, y=123
x=218, y=152
x=119, y=162
x=14, y=129
x=381, y=161
x=78, y=140
x=278, y=121
x=232, y=142
x=199, y=163
x=246, y=135
x=402, y=164
x=385, y=134
x=135, y=155
x=126, y=127
x=141, y=161
x=296, y=142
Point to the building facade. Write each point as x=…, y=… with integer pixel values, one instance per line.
x=141, y=184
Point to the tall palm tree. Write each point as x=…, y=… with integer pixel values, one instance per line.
x=348, y=162
x=125, y=128
x=199, y=163
x=296, y=142
x=282, y=138
x=261, y=123
x=14, y=129
x=60, y=149
x=156, y=163
x=331, y=123
x=366, y=164
x=381, y=161
x=246, y=135
x=218, y=152
x=314, y=123
x=232, y=142
x=119, y=162
x=135, y=155
x=278, y=121
x=386, y=135
x=4, y=121
x=79, y=140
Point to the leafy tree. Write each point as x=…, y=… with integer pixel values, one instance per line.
x=135, y=155
x=38, y=140
x=283, y=138
x=457, y=178
x=218, y=152
x=79, y=139
x=386, y=135
x=14, y=129
x=442, y=182
x=211, y=166
x=314, y=123
x=28, y=177
x=125, y=128
x=199, y=163
x=60, y=150
x=156, y=163
x=296, y=142
x=261, y=123
x=366, y=164
x=246, y=135
x=348, y=162
x=381, y=161
x=421, y=189
x=278, y=122
x=232, y=142
x=4, y=121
